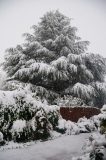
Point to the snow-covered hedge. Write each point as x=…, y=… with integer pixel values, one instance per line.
x=83, y=125
x=24, y=117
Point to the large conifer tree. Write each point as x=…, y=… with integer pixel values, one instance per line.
x=55, y=61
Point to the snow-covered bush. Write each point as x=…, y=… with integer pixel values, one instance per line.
x=43, y=126
x=37, y=128
x=24, y=117
x=83, y=125
x=93, y=148
x=100, y=120
x=98, y=153
x=103, y=109
x=86, y=125
x=67, y=127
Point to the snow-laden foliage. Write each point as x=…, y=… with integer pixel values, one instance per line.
x=82, y=91
x=60, y=63
x=93, y=148
x=24, y=117
x=72, y=68
x=86, y=125
x=100, y=120
x=100, y=89
x=103, y=109
x=55, y=58
x=38, y=91
x=83, y=125
x=19, y=125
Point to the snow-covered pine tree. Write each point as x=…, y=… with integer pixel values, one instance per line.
x=54, y=59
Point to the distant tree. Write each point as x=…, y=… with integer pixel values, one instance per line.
x=54, y=59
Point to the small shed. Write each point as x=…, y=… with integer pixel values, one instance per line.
x=74, y=113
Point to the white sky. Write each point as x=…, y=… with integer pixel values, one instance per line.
x=17, y=16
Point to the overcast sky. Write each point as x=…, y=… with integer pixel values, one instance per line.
x=89, y=16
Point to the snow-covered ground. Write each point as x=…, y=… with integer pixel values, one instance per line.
x=61, y=148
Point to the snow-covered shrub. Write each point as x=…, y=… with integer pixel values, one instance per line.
x=100, y=120
x=37, y=127
x=67, y=127
x=93, y=148
x=86, y=125
x=43, y=126
x=103, y=109
x=83, y=125
x=96, y=121
x=97, y=154
x=24, y=117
